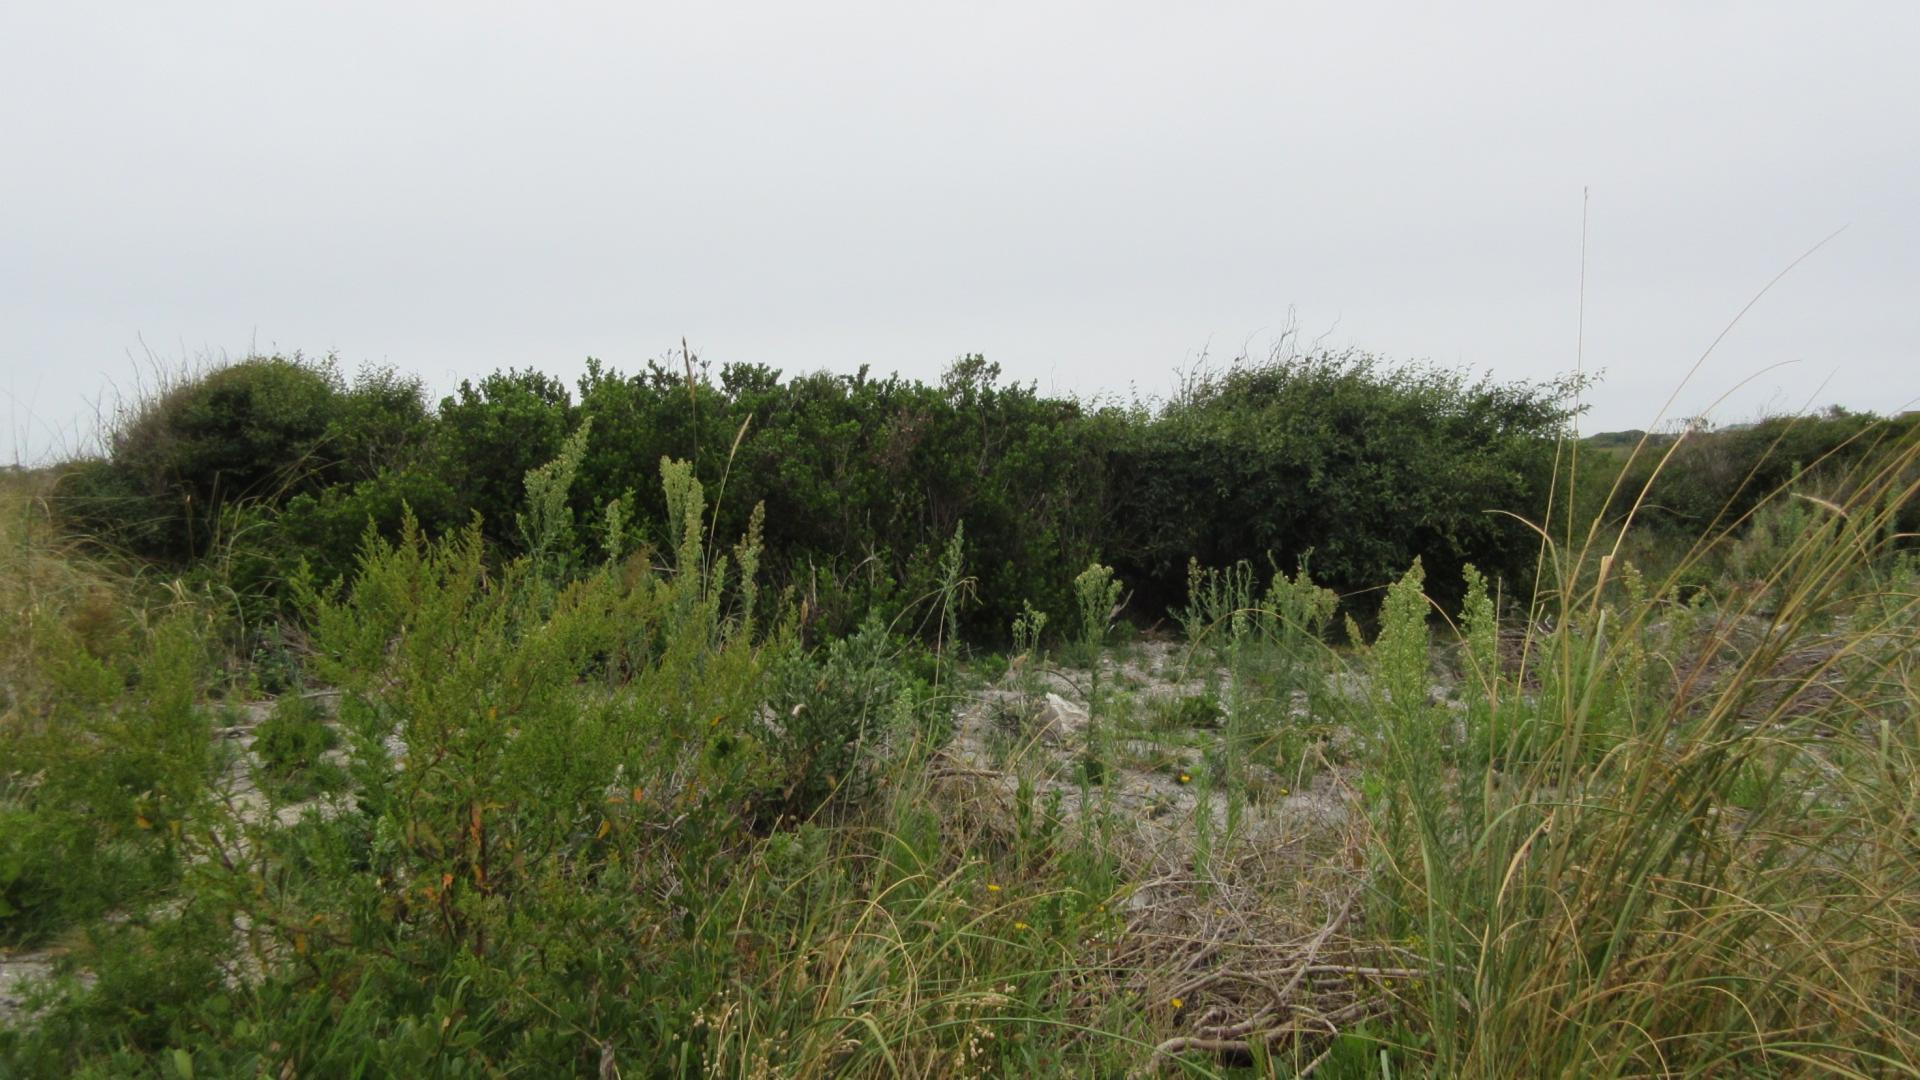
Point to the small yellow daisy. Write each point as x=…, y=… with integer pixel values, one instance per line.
x=1179, y=1003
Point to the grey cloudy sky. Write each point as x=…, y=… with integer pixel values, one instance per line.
x=1089, y=194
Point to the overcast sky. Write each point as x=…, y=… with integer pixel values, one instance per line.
x=1092, y=195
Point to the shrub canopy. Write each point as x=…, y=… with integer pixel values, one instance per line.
x=1359, y=465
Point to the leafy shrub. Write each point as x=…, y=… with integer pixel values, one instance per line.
x=1364, y=466
x=829, y=715
x=865, y=479
x=249, y=429
x=261, y=431
x=292, y=743
x=491, y=434
x=256, y=429
x=1705, y=480
x=105, y=761
x=325, y=528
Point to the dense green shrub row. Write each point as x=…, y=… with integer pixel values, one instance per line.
x=864, y=479
x=1697, y=483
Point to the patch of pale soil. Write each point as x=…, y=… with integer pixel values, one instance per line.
x=1243, y=915
x=241, y=788
x=1032, y=728
x=17, y=972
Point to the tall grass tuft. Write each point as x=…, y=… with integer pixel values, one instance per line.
x=1661, y=835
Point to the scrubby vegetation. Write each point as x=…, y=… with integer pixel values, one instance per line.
x=1332, y=718
x=257, y=467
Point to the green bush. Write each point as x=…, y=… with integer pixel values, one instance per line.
x=1707, y=480
x=292, y=744
x=490, y=435
x=185, y=464
x=1364, y=466
x=865, y=479
x=325, y=528
x=830, y=717
x=255, y=430
x=105, y=761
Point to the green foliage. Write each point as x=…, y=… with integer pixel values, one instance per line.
x=250, y=429
x=1098, y=599
x=567, y=850
x=605, y=803
x=1401, y=652
x=1364, y=465
x=1298, y=606
x=1706, y=481
x=104, y=764
x=1029, y=658
x=324, y=529
x=546, y=529
x=1029, y=627
x=260, y=431
x=1193, y=711
x=830, y=714
x=488, y=437
x=1219, y=607
x=1481, y=680
x=292, y=744
x=1097, y=596
x=864, y=480
x=1689, y=796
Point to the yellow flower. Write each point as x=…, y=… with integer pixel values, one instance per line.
x=992, y=887
x=1179, y=1003
x=1185, y=779
x=1021, y=926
